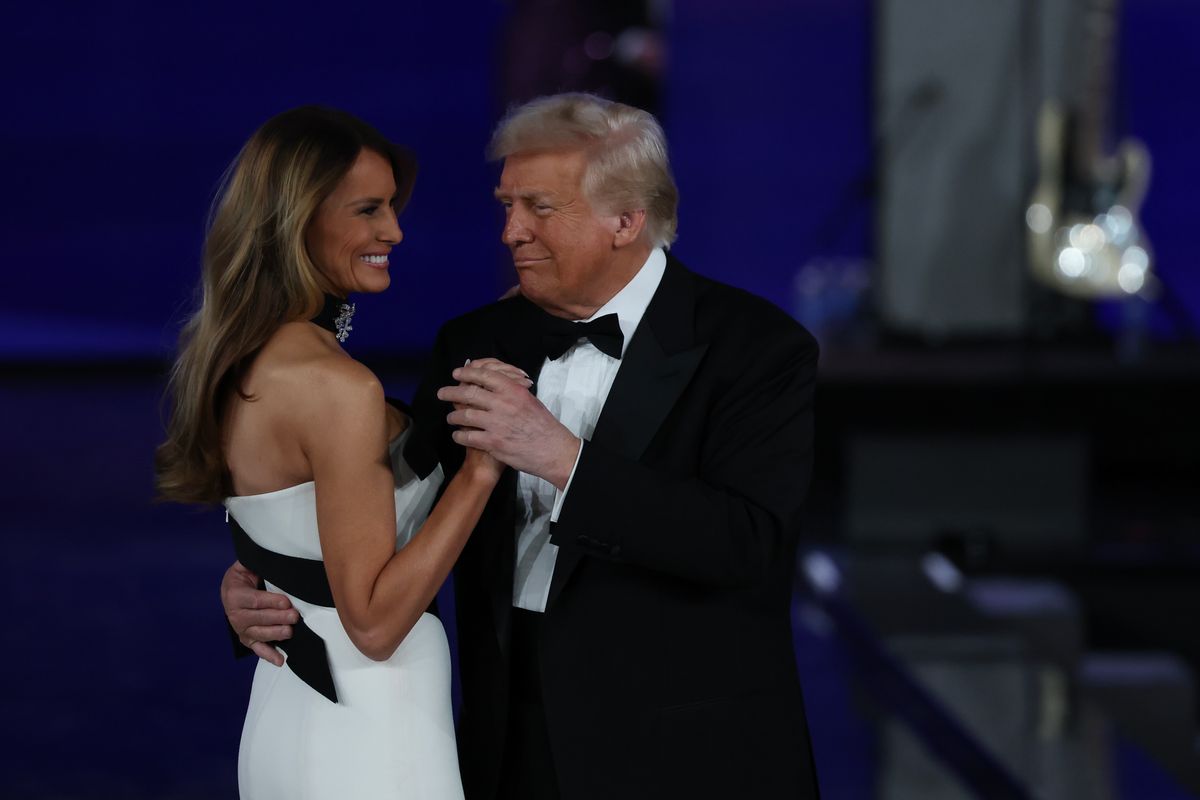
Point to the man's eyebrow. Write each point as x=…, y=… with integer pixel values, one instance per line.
x=500, y=194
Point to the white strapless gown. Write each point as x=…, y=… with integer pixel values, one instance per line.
x=391, y=733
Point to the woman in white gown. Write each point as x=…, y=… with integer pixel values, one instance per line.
x=273, y=417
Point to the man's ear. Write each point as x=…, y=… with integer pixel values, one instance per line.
x=630, y=225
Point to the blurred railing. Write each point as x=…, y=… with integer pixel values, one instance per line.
x=963, y=704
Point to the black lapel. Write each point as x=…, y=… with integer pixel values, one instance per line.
x=510, y=333
x=656, y=368
x=517, y=341
x=520, y=341
x=498, y=551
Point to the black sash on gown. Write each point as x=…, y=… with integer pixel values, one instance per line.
x=303, y=578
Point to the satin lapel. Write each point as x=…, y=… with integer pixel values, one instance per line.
x=498, y=551
x=656, y=368
x=518, y=342
x=643, y=393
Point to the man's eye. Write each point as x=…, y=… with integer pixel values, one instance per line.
x=542, y=208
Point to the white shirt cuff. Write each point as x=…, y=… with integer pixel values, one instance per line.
x=560, y=496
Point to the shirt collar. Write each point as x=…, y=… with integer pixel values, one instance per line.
x=631, y=302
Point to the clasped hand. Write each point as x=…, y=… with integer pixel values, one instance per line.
x=495, y=411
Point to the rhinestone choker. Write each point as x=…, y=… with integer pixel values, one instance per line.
x=335, y=317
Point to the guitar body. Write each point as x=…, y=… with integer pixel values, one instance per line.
x=1084, y=235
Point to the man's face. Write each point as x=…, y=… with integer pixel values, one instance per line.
x=563, y=248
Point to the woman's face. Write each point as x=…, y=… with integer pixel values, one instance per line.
x=355, y=228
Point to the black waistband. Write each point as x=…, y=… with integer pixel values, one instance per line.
x=303, y=578
x=300, y=577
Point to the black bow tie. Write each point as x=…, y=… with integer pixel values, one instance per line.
x=559, y=334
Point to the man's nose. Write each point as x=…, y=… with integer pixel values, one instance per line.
x=515, y=231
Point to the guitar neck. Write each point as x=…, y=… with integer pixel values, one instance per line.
x=1098, y=24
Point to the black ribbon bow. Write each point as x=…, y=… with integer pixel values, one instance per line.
x=559, y=334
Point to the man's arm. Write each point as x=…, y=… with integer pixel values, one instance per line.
x=726, y=524
x=256, y=616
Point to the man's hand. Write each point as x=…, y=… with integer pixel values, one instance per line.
x=498, y=414
x=516, y=373
x=257, y=617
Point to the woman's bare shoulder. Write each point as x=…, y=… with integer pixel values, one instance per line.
x=303, y=398
x=299, y=367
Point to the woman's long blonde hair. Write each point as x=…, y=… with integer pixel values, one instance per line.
x=256, y=275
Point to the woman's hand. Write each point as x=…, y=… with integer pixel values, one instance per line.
x=479, y=463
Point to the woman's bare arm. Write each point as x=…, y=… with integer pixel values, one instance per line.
x=379, y=593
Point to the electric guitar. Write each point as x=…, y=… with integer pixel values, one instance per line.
x=1084, y=235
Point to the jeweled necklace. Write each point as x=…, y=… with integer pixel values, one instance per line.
x=335, y=317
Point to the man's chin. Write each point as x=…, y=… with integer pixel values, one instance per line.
x=528, y=287
x=545, y=302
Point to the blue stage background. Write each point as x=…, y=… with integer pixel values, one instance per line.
x=121, y=117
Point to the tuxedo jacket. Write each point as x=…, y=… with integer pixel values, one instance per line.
x=666, y=653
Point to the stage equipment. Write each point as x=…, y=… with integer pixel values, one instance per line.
x=997, y=195
x=956, y=95
x=1085, y=238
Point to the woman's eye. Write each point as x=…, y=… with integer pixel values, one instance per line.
x=369, y=210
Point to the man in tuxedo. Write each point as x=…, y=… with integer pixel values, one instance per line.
x=623, y=605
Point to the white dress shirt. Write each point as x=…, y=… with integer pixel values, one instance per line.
x=574, y=388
